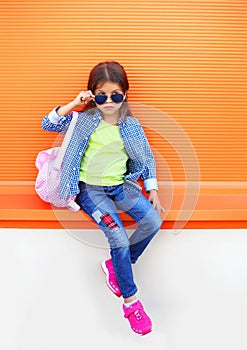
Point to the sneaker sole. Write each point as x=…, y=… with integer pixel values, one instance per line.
x=147, y=331
x=106, y=272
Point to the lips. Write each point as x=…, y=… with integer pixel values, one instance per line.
x=108, y=107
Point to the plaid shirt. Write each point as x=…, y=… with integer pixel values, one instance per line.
x=141, y=163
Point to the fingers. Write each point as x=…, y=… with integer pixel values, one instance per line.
x=156, y=204
x=159, y=208
x=86, y=96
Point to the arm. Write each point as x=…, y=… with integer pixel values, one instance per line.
x=60, y=117
x=149, y=175
x=147, y=159
x=82, y=98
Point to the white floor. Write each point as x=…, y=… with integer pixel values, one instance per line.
x=53, y=293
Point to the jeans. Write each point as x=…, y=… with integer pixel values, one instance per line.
x=102, y=203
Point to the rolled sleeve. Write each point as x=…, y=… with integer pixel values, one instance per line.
x=53, y=116
x=151, y=184
x=54, y=122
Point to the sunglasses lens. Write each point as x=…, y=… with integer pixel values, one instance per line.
x=117, y=98
x=100, y=99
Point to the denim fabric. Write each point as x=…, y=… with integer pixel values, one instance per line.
x=102, y=205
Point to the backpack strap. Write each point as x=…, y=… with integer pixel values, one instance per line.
x=66, y=141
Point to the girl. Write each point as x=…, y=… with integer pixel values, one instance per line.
x=107, y=154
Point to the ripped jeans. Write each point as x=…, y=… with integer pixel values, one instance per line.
x=102, y=203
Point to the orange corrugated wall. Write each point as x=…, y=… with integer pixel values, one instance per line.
x=186, y=59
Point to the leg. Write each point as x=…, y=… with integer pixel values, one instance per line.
x=94, y=201
x=141, y=210
x=102, y=209
x=147, y=229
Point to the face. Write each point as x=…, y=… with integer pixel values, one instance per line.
x=108, y=88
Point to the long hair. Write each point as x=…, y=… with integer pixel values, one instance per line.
x=109, y=71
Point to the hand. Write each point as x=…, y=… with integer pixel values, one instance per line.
x=83, y=97
x=154, y=200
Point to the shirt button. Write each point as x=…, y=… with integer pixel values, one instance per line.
x=80, y=153
x=74, y=168
x=95, y=124
x=67, y=185
x=94, y=118
x=86, y=138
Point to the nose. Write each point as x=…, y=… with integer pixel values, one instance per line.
x=108, y=99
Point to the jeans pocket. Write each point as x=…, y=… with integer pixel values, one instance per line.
x=131, y=189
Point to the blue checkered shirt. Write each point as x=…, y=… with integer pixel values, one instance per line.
x=141, y=163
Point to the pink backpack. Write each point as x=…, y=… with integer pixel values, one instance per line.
x=49, y=162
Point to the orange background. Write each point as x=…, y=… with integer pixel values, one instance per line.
x=186, y=59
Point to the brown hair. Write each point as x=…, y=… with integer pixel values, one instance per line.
x=109, y=71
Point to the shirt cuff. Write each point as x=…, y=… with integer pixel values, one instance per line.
x=151, y=184
x=53, y=116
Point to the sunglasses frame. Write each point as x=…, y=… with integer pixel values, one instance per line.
x=106, y=97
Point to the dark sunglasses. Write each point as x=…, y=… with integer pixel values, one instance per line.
x=100, y=99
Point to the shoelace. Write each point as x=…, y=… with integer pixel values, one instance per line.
x=138, y=314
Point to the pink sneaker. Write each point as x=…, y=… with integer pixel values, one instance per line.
x=138, y=319
x=111, y=279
